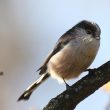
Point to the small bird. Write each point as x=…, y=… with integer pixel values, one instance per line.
x=72, y=55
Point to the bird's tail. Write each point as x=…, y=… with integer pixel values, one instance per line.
x=26, y=95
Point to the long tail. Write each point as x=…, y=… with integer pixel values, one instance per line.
x=26, y=95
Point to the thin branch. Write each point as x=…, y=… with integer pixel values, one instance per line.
x=1, y=73
x=81, y=89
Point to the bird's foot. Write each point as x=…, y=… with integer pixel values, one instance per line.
x=91, y=71
x=67, y=85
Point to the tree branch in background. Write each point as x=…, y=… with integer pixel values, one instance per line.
x=1, y=73
x=81, y=89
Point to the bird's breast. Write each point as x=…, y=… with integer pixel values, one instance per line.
x=73, y=59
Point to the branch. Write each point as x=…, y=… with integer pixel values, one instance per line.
x=1, y=73
x=81, y=89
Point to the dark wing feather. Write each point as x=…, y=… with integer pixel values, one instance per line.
x=64, y=39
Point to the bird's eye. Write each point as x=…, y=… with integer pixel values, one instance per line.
x=88, y=31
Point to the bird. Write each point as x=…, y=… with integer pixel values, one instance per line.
x=73, y=53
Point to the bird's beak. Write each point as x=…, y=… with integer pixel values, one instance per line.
x=97, y=37
x=98, y=32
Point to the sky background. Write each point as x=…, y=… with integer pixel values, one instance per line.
x=29, y=30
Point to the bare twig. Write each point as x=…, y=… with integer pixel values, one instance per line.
x=81, y=89
x=1, y=73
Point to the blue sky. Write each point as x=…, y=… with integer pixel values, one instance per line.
x=28, y=32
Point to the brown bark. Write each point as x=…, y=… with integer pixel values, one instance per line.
x=68, y=99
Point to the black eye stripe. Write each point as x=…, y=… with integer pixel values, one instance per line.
x=88, y=31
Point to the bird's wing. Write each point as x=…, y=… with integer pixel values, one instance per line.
x=64, y=39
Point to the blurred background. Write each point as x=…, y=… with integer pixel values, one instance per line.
x=29, y=30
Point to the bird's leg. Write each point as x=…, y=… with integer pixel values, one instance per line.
x=67, y=86
x=91, y=71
